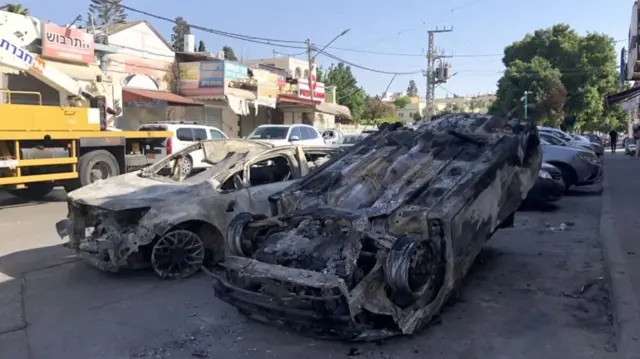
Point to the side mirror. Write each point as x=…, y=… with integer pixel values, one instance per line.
x=294, y=138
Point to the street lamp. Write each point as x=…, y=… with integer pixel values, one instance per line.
x=312, y=59
x=525, y=99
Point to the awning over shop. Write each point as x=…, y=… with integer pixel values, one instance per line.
x=171, y=98
x=239, y=99
x=622, y=96
x=334, y=109
x=79, y=72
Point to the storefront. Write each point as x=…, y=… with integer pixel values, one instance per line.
x=296, y=105
x=230, y=92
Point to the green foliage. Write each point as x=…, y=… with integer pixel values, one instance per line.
x=401, y=102
x=412, y=90
x=547, y=96
x=452, y=107
x=180, y=29
x=374, y=108
x=201, y=46
x=320, y=75
x=15, y=8
x=585, y=66
x=106, y=12
x=417, y=117
x=348, y=93
x=229, y=54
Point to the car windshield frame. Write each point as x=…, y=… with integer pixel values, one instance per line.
x=549, y=136
x=257, y=133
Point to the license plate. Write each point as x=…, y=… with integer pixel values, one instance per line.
x=151, y=156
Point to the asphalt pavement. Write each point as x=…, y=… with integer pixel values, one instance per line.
x=537, y=290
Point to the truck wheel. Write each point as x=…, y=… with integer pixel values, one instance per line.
x=96, y=165
x=34, y=191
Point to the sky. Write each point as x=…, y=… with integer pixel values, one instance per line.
x=481, y=30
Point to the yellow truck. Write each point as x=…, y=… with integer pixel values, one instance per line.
x=71, y=146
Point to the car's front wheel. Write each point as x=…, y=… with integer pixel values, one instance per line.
x=178, y=254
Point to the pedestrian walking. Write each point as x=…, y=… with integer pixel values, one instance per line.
x=613, y=139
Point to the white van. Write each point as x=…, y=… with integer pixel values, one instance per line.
x=184, y=135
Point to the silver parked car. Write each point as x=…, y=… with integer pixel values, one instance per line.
x=579, y=167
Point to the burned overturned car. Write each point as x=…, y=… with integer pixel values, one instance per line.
x=174, y=220
x=373, y=243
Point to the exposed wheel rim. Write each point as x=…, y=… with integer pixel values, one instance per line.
x=99, y=171
x=178, y=254
x=185, y=166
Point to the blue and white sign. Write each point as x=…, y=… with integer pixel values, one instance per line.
x=235, y=71
x=211, y=74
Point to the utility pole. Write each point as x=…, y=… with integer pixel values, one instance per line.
x=431, y=75
x=310, y=76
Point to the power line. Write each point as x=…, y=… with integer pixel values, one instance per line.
x=254, y=39
x=333, y=57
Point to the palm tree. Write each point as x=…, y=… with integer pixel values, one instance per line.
x=15, y=8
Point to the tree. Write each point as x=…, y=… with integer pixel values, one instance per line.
x=588, y=72
x=201, y=46
x=376, y=109
x=547, y=96
x=106, y=12
x=401, y=102
x=452, y=107
x=229, y=54
x=412, y=90
x=15, y=8
x=320, y=77
x=180, y=29
x=348, y=93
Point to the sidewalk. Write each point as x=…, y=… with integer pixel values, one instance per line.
x=620, y=235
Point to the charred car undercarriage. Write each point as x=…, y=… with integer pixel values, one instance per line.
x=373, y=243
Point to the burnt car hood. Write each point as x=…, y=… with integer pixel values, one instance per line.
x=128, y=191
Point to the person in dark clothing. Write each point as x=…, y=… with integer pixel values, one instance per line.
x=613, y=138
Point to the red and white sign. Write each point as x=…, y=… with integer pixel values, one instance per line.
x=67, y=44
x=305, y=92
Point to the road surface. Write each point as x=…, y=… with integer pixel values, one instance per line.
x=536, y=291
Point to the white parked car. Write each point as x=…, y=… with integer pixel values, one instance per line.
x=283, y=135
x=184, y=135
x=332, y=136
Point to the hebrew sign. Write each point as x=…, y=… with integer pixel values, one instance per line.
x=67, y=44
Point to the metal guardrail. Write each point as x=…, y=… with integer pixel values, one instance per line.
x=9, y=93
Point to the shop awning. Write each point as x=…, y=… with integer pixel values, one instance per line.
x=171, y=98
x=334, y=109
x=622, y=96
x=79, y=72
x=239, y=99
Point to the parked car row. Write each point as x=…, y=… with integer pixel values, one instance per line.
x=568, y=161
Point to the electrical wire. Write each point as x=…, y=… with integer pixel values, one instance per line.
x=254, y=39
x=336, y=58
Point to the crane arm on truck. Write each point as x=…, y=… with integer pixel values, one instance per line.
x=14, y=56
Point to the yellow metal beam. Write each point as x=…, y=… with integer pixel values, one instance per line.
x=74, y=135
x=48, y=161
x=38, y=178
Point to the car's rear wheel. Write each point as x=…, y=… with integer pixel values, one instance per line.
x=178, y=254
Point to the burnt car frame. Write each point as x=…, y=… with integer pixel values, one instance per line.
x=373, y=243
x=175, y=220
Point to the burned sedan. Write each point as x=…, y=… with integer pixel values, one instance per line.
x=174, y=220
x=373, y=243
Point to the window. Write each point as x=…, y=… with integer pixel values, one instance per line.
x=306, y=74
x=298, y=73
x=315, y=160
x=185, y=134
x=270, y=170
x=269, y=133
x=216, y=135
x=200, y=134
x=295, y=132
x=308, y=133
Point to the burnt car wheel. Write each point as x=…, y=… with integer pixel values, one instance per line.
x=413, y=270
x=178, y=254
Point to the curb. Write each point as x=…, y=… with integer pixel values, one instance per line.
x=625, y=307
